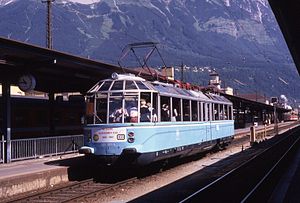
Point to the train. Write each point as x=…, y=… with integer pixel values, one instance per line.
x=291, y=116
x=30, y=116
x=136, y=121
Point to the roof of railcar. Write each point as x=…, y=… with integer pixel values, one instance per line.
x=164, y=89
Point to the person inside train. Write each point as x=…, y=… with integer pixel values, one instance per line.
x=152, y=112
x=133, y=114
x=117, y=115
x=165, y=112
x=144, y=110
x=175, y=114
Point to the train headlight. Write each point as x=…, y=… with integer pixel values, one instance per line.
x=130, y=140
x=130, y=137
x=96, y=137
x=131, y=134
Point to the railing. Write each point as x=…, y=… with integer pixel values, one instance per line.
x=39, y=147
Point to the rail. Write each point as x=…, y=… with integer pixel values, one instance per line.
x=83, y=191
x=39, y=147
x=245, y=187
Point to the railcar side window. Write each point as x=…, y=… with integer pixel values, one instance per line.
x=204, y=109
x=153, y=108
x=145, y=115
x=194, y=111
x=141, y=85
x=186, y=110
x=223, y=112
x=165, y=108
x=176, y=104
x=216, y=112
x=209, y=112
x=230, y=113
x=200, y=111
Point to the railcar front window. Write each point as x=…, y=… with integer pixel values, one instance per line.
x=116, y=110
x=118, y=85
x=130, y=85
x=105, y=86
x=89, y=114
x=131, y=105
x=101, y=110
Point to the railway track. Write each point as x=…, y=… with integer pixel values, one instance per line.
x=83, y=191
x=253, y=180
x=89, y=191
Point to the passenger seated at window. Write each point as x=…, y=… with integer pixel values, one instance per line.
x=117, y=115
x=175, y=115
x=145, y=113
x=223, y=116
x=165, y=113
x=133, y=114
x=152, y=112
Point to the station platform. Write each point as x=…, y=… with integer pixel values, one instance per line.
x=26, y=176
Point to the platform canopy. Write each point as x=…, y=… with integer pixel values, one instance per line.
x=287, y=13
x=54, y=71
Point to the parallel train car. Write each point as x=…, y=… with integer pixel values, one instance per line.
x=291, y=116
x=137, y=121
x=30, y=116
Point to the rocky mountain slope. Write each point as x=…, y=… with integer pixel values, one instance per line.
x=240, y=39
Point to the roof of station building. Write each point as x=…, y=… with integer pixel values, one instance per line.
x=54, y=71
x=287, y=14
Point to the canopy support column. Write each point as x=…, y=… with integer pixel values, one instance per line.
x=6, y=106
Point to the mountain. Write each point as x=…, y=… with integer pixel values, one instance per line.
x=239, y=39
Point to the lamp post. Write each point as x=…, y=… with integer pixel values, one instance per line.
x=274, y=100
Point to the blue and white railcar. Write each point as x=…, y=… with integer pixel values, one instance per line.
x=131, y=119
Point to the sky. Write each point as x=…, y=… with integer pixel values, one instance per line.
x=85, y=1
